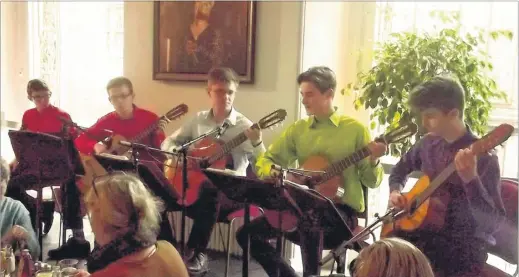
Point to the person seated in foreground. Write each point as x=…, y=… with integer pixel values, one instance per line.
x=125, y=220
x=391, y=257
x=15, y=221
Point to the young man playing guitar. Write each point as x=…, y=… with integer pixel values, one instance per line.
x=222, y=85
x=46, y=118
x=475, y=207
x=127, y=120
x=327, y=133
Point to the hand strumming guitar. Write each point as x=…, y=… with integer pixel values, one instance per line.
x=396, y=199
x=100, y=148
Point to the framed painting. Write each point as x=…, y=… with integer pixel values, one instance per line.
x=191, y=37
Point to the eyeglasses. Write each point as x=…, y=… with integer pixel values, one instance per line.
x=118, y=97
x=107, y=179
x=39, y=97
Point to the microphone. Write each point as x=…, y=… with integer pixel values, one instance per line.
x=222, y=130
x=132, y=144
x=276, y=167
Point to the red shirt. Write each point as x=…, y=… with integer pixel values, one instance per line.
x=128, y=128
x=46, y=121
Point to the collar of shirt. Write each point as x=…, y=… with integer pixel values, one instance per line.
x=135, y=110
x=47, y=109
x=231, y=118
x=333, y=118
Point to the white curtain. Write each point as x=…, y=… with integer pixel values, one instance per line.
x=77, y=48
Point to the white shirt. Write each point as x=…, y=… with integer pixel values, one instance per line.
x=204, y=123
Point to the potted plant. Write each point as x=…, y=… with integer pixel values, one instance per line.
x=408, y=58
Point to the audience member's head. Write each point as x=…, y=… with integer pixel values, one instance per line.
x=391, y=257
x=119, y=203
x=4, y=177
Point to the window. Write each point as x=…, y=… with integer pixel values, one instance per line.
x=407, y=16
x=77, y=48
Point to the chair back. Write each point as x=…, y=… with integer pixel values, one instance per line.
x=506, y=236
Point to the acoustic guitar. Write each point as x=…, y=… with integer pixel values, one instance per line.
x=421, y=211
x=327, y=178
x=210, y=152
x=115, y=150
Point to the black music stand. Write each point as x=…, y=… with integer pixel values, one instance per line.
x=249, y=191
x=272, y=197
x=44, y=160
x=148, y=171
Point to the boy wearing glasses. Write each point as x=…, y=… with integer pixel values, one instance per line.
x=46, y=118
x=126, y=120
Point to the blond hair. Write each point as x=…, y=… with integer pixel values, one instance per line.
x=121, y=203
x=392, y=257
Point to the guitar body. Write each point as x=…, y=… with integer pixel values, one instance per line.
x=92, y=169
x=429, y=215
x=330, y=189
x=115, y=147
x=173, y=168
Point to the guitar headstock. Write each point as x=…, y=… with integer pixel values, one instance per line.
x=176, y=112
x=274, y=118
x=496, y=137
x=400, y=133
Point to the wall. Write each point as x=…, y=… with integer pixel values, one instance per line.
x=14, y=59
x=335, y=35
x=277, y=66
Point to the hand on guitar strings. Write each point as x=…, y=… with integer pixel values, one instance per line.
x=396, y=199
x=466, y=165
x=377, y=149
x=254, y=135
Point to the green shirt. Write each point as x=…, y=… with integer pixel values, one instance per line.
x=334, y=137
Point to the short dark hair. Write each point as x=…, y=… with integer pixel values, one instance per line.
x=444, y=93
x=321, y=76
x=223, y=74
x=119, y=82
x=36, y=85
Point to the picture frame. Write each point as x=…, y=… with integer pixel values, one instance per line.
x=191, y=37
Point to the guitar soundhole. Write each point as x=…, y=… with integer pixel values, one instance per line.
x=204, y=163
x=413, y=206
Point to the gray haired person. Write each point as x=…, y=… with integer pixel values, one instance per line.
x=15, y=222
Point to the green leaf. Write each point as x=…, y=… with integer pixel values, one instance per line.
x=373, y=125
x=409, y=58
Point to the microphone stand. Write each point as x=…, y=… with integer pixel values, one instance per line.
x=282, y=181
x=301, y=172
x=182, y=150
x=341, y=249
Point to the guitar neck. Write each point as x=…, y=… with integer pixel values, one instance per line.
x=227, y=147
x=338, y=167
x=146, y=131
x=435, y=184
